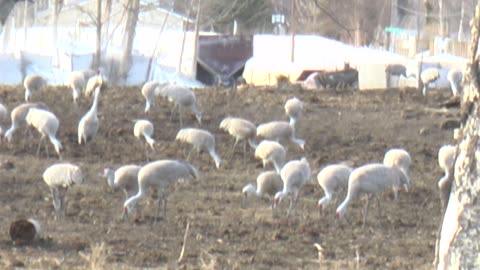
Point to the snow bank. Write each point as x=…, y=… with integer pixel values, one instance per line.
x=10, y=69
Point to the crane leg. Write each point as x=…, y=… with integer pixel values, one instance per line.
x=62, y=202
x=46, y=147
x=244, y=151
x=189, y=154
x=39, y=145
x=365, y=211
x=378, y=205
x=164, y=208
x=146, y=148
x=290, y=207
x=180, y=112
x=55, y=200
x=157, y=211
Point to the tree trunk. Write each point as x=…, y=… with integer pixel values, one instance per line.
x=458, y=245
x=460, y=24
x=441, y=31
x=195, y=46
x=133, y=7
x=185, y=29
x=98, y=45
x=25, y=24
x=106, y=20
x=57, y=7
x=154, y=52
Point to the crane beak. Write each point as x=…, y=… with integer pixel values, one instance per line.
x=276, y=201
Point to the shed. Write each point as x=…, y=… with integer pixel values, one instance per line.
x=222, y=59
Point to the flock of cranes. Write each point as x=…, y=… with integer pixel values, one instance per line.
x=270, y=142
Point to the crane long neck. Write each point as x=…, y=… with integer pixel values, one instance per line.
x=215, y=157
x=56, y=143
x=150, y=141
x=110, y=177
x=341, y=208
x=94, y=108
x=350, y=196
x=135, y=198
x=292, y=122
x=278, y=166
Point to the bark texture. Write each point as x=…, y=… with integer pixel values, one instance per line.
x=459, y=246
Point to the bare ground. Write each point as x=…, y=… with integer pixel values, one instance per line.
x=356, y=127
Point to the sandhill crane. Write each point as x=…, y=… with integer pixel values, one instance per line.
x=372, y=179
x=125, y=177
x=293, y=109
x=18, y=115
x=149, y=91
x=46, y=123
x=428, y=75
x=279, y=131
x=24, y=231
x=33, y=83
x=182, y=97
x=294, y=175
x=88, y=125
x=241, y=129
x=159, y=175
x=144, y=128
x=93, y=83
x=88, y=73
x=271, y=151
x=455, y=77
x=76, y=81
x=446, y=161
x=332, y=178
x=59, y=177
x=268, y=184
x=399, y=158
x=200, y=139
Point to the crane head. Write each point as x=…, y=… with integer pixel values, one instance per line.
x=320, y=206
x=277, y=199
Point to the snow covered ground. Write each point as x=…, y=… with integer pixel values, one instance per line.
x=76, y=48
x=271, y=57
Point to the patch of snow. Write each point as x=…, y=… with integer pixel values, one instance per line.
x=10, y=69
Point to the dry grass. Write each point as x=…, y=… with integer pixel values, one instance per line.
x=97, y=259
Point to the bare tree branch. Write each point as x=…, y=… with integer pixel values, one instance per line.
x=90, y=14
x=333, y=18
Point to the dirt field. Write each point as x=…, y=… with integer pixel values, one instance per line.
x=356, y=127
